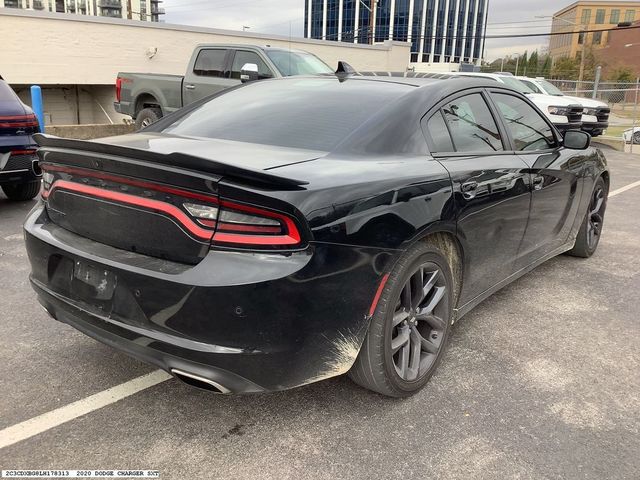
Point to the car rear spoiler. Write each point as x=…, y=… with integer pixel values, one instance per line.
x=176, y=159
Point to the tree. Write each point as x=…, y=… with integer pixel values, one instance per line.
x=522, y=62
x=622, y=74
x=566, y=68
x=545, y=69
x=532, y=65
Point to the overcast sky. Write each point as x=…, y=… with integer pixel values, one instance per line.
x=284, y=16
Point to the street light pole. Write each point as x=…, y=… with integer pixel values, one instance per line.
x=517, y=62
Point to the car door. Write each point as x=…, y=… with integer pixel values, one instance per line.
x=490, y=184
x=207, y=74
x=556, y=176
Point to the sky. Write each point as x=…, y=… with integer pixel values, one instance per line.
x=287, y=16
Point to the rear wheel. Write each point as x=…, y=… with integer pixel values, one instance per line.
x=636, y=138
x=22, y=191
x=591, y=228
x=147, y=116
x=410, y=327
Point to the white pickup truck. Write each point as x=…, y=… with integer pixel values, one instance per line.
x=595, y=114
x=563, y=113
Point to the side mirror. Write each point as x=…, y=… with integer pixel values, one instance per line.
x=577, y=140
x=249, y=72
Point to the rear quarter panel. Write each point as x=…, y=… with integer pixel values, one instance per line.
x=165, y=89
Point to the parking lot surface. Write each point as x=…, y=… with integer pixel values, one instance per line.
x=540, y=381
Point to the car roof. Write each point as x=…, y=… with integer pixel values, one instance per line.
x=248, y=45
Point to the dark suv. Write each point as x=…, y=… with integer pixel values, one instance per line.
x=19, y=171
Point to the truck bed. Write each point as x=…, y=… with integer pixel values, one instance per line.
x=137, y=87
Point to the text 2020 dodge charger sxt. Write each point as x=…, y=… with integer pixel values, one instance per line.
x=291, y=230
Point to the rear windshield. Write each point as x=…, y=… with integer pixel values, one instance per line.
x=307, y=113
x=7, y=94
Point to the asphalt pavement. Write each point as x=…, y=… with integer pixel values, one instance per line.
x=541, y=381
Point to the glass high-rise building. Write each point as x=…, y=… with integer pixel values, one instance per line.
x=441, y=32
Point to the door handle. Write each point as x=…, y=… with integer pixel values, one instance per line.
x=469, y=189
x=190, y=87
x=538, y=182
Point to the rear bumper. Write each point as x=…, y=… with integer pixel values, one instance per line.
x=249, y=322
x=20, y=168
x=123, y=108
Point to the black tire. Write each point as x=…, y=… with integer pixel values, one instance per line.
x=636, y=138
x=591, y=227
x=22, y=191
x=376, y=367
x=147, y=116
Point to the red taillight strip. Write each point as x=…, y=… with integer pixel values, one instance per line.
x=23, y=152
x=147, y=203
x=291, y=238
x=374, y=304
x=130, y=181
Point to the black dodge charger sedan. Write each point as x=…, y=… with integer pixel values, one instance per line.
x=291, y=230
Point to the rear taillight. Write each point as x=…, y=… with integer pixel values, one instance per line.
x=118, y=88
x=244, y=225
x=26, y=151
x=19, y=121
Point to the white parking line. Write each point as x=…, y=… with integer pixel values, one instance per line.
x=46, y=421
x=624, y=189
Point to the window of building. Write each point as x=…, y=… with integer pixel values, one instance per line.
x=615, y=16
x=600, y=15
x=210, y=63
x=528, y=129
x=586, y=16
x=580, y=38
x=471, y=124
x=597, y=38
x=629, y=15
x=241, y=57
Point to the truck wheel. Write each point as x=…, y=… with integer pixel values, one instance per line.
x=22, y=191
x=147, y=116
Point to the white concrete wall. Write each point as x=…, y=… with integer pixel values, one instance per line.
x=74, y=49
x=61, y=106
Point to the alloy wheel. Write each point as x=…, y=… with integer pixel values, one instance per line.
x=146, y=122
x=419, y=322
x=596, y=210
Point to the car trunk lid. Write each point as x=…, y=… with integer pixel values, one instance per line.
x=135, y=195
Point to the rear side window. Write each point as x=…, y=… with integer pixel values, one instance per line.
x=439, y=134
x=241, y=57
x=526, y=126
x=532, y=86
x=471, y=124
x=210, y=63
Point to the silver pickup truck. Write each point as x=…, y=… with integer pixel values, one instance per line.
x=146, y=97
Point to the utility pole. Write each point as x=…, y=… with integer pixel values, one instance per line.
x=517, y=62
x=502, y=64
x=129, y=10
x=374, y=5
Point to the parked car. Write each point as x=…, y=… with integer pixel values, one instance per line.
x=147, y=97
x=564, y=114
x=595, y=114
x=296, y=229
x=19, y=171
x=632, y=133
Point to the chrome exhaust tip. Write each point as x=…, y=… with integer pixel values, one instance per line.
x=35, y=168
x=199, y=382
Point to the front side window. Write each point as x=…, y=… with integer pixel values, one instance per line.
x=532, y=86
x=471, y=124
x=210, y=63
x=242, y=57
x=527, y=127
